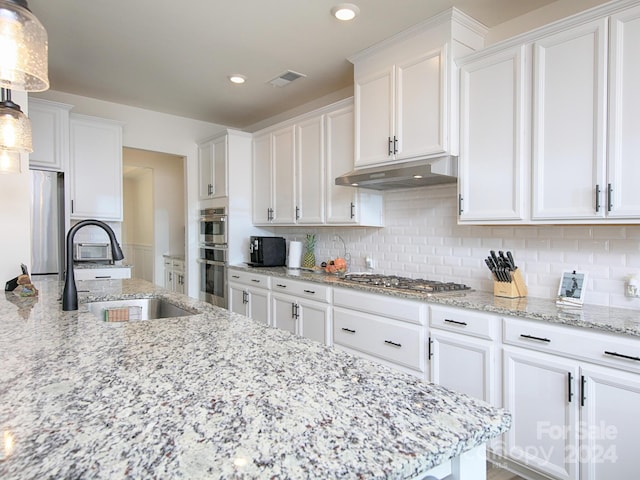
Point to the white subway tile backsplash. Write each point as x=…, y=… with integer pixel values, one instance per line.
x=422, y=239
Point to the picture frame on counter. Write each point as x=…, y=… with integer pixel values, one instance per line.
x=572, y=288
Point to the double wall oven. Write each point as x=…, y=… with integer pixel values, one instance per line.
x=213, y=256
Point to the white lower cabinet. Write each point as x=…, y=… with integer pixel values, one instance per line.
x=462, y=352
x=544, y=409
x=574, y=416
x=302, y=308
x=464, y=364
x=174, y=276
x=610, y=424
x=306, y=318
x=385, y=329
x=250, y=295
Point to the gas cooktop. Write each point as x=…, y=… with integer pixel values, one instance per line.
x=404, y=283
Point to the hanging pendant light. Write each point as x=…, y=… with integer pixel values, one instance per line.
x=15, y=127
x=23, y=48
x=9, y=162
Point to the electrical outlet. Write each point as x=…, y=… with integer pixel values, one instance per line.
x=632, y=287
x=369, y=263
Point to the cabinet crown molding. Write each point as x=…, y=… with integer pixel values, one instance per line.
x=531, y=36
x=450, y=15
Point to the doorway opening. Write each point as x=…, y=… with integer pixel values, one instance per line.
x=154, y=211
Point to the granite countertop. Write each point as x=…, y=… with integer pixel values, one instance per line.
x=612, y=320
x=174, y=256
x=210, y=395
x=86, y=265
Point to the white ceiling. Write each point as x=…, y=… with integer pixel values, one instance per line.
x=174, y=56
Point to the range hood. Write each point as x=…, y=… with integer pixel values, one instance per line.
x=419, y=173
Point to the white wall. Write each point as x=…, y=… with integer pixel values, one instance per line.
x=15, y=246
x=421, y=239
x=157, y=132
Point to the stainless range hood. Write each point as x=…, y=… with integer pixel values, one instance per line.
x=419, y=173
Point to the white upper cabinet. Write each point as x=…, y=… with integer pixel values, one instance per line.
x=262, y=181
x=294, y=167
x=274, y=177
x=569, y=135
x=283, y=158
x=494, y=160
x=310, y=171
x=406, y=91
x=623, y=195
x=375, y=120
x=346, y=205
x=582, y=141
x=95, y=168
x=50, y=133
x=212, y=168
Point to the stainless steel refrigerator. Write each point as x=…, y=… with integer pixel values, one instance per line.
x=47, y=223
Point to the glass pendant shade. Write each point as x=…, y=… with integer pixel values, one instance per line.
x=15, y=127
x=9, y=161
x=23, y=48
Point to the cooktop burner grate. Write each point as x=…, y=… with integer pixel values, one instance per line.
x=404, y=283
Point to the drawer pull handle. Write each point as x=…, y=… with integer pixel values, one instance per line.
x=235, y=276
x=280, y=285
x=254, y=280
x=312, y=292
x=389, y=342
x=103, y=276
x=531, y=337
x=348, y=330
x=455, y=322
x=620, y=355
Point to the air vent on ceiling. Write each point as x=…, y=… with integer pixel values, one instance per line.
x=286, y=78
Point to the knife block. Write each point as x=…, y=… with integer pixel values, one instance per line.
x=515, y=289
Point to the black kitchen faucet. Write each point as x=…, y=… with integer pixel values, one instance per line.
x=70, y=292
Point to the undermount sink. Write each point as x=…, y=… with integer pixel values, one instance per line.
x=136, y=309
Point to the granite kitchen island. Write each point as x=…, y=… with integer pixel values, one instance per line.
x=213, y=395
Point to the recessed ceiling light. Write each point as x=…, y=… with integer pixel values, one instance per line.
x=345, y=11
x=236, y=78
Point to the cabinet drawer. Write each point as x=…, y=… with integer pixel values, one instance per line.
x=178, y=266
x=573, y=342
x=101, y=273
x=315, y=291
x=249, y=278
x=464, y=321
x=394, y=341
x=380, y=304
